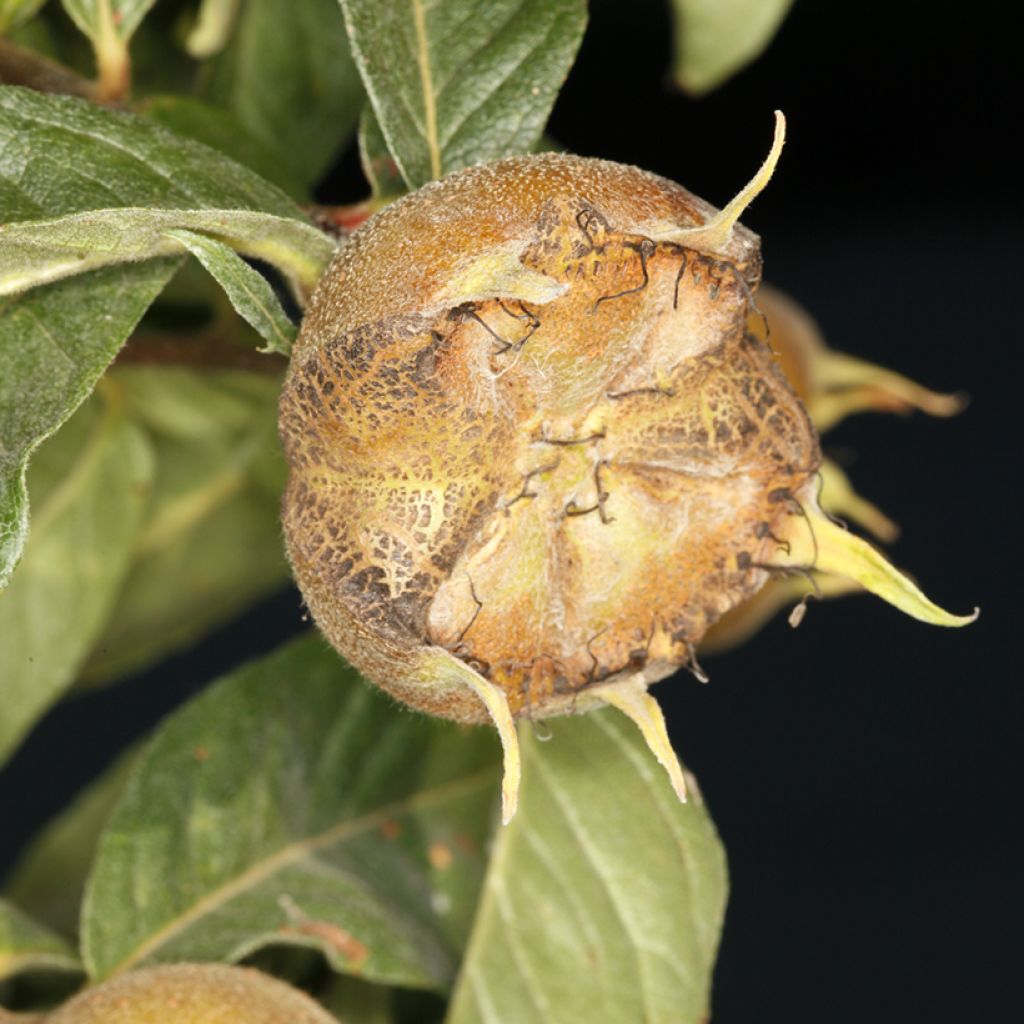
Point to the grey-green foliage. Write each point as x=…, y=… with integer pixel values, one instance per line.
x=288, y=76
x=211, y=541
x=66, y=159
x=716, y=38
x=90, y=485
x=250, y=293
x=454, y=82
x=604, y=897
x=291, y=804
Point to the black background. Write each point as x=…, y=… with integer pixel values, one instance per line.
x=862, y=770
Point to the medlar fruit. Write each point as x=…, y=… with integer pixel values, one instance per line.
x=536, y=452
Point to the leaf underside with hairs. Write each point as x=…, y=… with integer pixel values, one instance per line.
x=461, y=81
x=291, y=804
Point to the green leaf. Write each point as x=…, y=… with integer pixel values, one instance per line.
x=16, y=12
x=716, y=38
x=211, y=543
x=604, y=896
x=222, y=130
x=213, y=27
x=109, y=25
x=55, y=342
x=289, y=78
x=49, y=877
x=95, y=186
x=26, y=945
x=386, y=181
x=91, y=484
x=250, y=293
x=65, y=158
x=293, y=804
x=455, y=82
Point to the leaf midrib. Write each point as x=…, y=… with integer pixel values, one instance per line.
x=292, y=852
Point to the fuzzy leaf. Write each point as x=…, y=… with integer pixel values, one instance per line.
x=55, y=342
x=224, y=131
x=211, y=542
x=386, y=182
x=90, y=484
x=64, y=158
x=16, y=12
x=250, y=293
x=288, y=76
x=214, y=24
x=604, y=896
x=293, y=804
x=716, y=38
x=26, y=946
x=455, y=82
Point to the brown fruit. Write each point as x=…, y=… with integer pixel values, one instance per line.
x=192, y=994
x=535, y=451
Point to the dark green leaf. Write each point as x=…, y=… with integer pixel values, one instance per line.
x=293, y=804
x=604, y=896
x=55, y=342
x=250, y=293
x=715, y=40
x=90, y=484
x=211, y=543
x=289, y=78
x=222, y=130
x=64, y=157
x=26, y=945
x=455, y=82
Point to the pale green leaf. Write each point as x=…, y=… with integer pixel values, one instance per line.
x=292, y=803
x=250, y=293
x=456, y=82
x=604, y=896
x=94, y=18
x=288, y=76
x=211, y=543
x=716, y=38
x=90, y=484
x=49, y=877
x=214, y=22
x=16, y=12
x=26, y=945
x=37, y=252
x=55, y=342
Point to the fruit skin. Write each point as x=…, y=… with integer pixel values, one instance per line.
x=528, y=428
x=191, y=994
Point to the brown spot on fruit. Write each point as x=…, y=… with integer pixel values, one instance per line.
x=528, y=412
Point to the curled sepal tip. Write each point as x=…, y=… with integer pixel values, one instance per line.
x=448, y=669
x=816, y=542
x=715, y=234
x=630, y=696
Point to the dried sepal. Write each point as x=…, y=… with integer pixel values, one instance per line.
x=834, y=385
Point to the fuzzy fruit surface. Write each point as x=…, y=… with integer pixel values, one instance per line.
x=191, y=994
x=526, y=423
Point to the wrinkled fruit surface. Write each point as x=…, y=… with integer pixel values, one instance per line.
x=535, y=449
x=191, y=994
